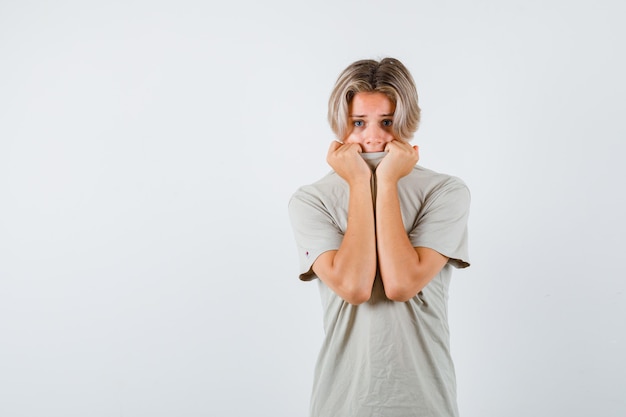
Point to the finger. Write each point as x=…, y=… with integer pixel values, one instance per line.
x=358, y=147
x=351, y=147
x=334, y=145
x=402, y=144
x=405, y=147
x=396, y=146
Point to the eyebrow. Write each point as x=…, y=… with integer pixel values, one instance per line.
x=363, y=115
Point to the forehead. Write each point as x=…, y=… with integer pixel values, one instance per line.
x=371, y=104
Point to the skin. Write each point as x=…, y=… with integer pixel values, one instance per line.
x=375, y=237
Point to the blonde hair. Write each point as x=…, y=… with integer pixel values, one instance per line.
x=390, y=77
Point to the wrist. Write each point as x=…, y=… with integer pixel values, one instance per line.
x=386, y=180
x=362, y=181
x=358, y=176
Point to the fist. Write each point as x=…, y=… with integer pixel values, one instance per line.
x=399, y=162
x=346, y=160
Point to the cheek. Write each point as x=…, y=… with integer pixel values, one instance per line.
x=391, y=134
x=350, y=136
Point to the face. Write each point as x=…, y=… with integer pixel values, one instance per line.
x=370, y=119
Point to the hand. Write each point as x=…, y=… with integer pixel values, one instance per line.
x=346, y=160
x=400, y=160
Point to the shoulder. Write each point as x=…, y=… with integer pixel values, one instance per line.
x=329, y=185
x=432, y=184
x=437, y=178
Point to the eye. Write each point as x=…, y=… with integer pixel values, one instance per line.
x=358, y=123
x=387, y=122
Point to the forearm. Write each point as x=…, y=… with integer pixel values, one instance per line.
x=398, y=261
x=355, y=261
x=350, y=270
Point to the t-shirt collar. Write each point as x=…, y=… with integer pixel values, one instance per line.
x=373, y=158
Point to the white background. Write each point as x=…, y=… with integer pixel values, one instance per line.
x=148, y=151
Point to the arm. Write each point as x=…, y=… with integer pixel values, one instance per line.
x=404, y=270
x=350, y=270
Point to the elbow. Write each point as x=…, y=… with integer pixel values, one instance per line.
x=357, y=296
x=399, y=296
x=400, y=293
x=356, y=288
x=403, y=287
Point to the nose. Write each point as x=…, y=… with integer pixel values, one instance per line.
x=375, y=135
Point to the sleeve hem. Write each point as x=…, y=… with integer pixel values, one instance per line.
x=308, y=258
x=455, y=259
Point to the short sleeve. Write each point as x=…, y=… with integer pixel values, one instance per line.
x=442, y=222
x=314, y=228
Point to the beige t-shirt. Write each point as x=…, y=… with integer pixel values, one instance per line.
x=385, y=358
